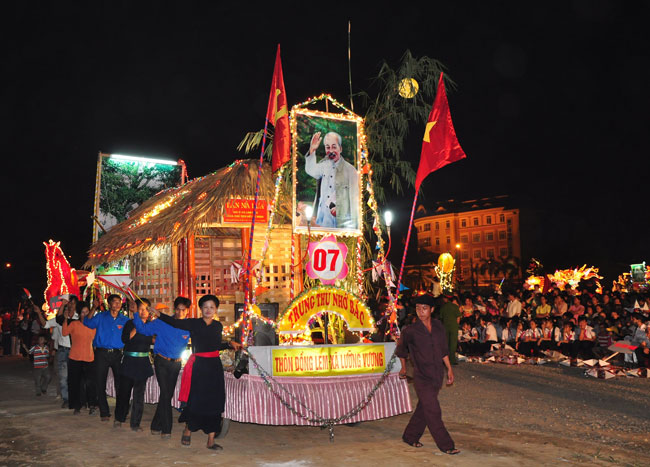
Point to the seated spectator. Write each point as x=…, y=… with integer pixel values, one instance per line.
x=603, y=340
x=637, y=329
x=584, y=340
x=544, y=309
x=465, y=341
x=490, y=334
x=547, y=340
x=467, y=309
x=508, y=335
x=530, y=337
x=559, y=306
x=576, y=308
x=643, y=350
x=480, y=305
x=492, y=307
x=514, y=306
x=565, y=344
x=518, y=334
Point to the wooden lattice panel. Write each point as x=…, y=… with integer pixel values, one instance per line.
x=152, y=276
x=213, y=257
x=276, y=275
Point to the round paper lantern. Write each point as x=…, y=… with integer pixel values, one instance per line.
x=408, y=88
x=446, y=263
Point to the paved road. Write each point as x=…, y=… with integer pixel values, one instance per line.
x=498, y=415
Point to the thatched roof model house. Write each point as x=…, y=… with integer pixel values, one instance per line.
x=183, y=240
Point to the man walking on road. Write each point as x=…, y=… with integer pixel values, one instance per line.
x=450, y=317
x=424, y=341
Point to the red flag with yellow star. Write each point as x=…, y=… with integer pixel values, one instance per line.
x=439, y=145
x=277, y=113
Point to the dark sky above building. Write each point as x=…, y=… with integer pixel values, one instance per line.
x=551, y=105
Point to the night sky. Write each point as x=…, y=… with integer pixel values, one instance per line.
x=551, y=107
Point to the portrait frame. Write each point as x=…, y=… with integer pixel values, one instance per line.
x=306, y=187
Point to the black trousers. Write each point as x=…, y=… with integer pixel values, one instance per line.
x=582, y=349
x=529, y=348
x=167, y=375
x=124, y=395
x=427, y=414
x=103, y=361
x=81, y=384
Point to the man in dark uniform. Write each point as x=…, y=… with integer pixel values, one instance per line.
x=425, y=342
x=450, y=317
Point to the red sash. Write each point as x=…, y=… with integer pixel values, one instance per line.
x=186, y=378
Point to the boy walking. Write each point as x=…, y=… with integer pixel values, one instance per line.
x=41, y=355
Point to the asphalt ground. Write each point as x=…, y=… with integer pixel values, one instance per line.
x=497, y=414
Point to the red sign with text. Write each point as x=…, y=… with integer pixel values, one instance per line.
x=240, y=211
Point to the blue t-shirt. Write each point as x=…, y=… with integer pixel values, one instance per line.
x=170, y=341
x=109, y=329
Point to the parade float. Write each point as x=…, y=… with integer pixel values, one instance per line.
x=318, y=232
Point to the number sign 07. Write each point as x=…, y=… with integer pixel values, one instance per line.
x=327, y=260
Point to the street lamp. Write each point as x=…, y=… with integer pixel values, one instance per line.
x=388, y=220
x=8, y=265
x=459, y=276
x=309, y=212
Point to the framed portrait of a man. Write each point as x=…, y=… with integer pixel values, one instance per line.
x=326, y=154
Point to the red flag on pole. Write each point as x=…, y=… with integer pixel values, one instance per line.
x=277, y=114
x=439, y=145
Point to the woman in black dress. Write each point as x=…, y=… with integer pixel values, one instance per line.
x=207, y=394
x=134, y=371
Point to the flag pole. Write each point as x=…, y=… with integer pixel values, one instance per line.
x=247, y=270
x=406, y=246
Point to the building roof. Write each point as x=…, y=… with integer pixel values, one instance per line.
x=452, y=206
x=172, y=214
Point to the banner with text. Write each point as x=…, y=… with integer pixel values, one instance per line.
x=329, y=361
x=325, y=299
x=240, y=211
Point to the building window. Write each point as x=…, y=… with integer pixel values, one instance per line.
x=477, y=254
x=476, y=238
x=475, y=221
x=426, y=241
x=419, y=228
x=437, y=225
x=490, y=252
x=447, y=225
x=465, y=272
x=509, y=221
x=448, y=240
x=463, y=222
x=464, y=254
x=437, y=241
x=464, y=239
x=502, y=234
x=488, y=220
x=502, y=218
x=427, y=227
x=503, y=252
x=489, y=236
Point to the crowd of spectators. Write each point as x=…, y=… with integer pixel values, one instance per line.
x=579, y=324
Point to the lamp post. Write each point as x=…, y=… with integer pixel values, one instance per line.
x=459, y=276
x=388, y=220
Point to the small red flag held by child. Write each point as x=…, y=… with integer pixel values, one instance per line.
x=277, y=113
x=439, y=145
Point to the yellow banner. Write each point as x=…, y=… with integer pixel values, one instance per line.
x=325, y=299
x=329, y=361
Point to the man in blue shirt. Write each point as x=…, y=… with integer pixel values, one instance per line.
x=108, y=351
x=169, y=346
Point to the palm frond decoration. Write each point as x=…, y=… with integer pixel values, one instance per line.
x=253, y=139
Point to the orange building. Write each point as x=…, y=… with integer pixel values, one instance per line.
x=475, y=232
